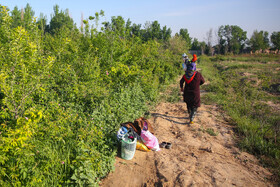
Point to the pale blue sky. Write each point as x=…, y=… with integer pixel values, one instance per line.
x=198, y=16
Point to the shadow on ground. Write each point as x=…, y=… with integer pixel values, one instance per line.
x=170, y=118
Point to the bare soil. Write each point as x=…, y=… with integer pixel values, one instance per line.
x=202, y=154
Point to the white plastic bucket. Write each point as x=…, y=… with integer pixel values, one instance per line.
x=128, y=147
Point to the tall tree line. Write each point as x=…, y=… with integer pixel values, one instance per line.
x=230, y=38
x=233, y=39
x=152, y=30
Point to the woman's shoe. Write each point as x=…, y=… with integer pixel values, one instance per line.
x=168, y=145
x=163, y=145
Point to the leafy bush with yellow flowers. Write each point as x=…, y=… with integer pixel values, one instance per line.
x=63, y=96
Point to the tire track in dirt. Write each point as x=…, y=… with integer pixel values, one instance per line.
x=195, y=159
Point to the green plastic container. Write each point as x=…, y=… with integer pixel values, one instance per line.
x=128, y=147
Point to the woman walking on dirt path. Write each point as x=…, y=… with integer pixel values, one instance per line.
x=192, y=79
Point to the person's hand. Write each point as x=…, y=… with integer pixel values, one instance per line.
x=182, y=90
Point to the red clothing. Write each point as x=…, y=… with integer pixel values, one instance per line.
x=192, y=90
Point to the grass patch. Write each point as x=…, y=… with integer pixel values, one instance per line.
x=211, y=132
x=171, y=94
x=174, y=96
x=245, y=87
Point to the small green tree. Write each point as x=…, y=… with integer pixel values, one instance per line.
x=275, y=39
x=16, y=17
x=195, y=44
x=177, y=45
x=185, y=35
x=153, y=31
x=5, y=27
x=59, y=20
x=259, y=40
x=22, y=67
x=166, y=33
x=209, y=37
x=202, y=47
x=136, y=29
x=232, y=39
x=118, y=25
x=28, y=16
x=23, y=17
x=42, y=23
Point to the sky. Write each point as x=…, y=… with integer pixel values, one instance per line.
x=197, y=16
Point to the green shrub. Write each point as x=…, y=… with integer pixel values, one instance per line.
x=236, y=92
x=64, y=96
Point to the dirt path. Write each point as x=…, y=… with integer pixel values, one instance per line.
x=196, y=158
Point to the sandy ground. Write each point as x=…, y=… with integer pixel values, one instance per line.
x=196, y=158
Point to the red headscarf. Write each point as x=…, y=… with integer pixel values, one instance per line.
x=194, y=58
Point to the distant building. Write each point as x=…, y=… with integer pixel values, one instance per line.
x=197, y=52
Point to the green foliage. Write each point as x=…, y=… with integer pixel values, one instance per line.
x=172, y=95
x=28, y=15
x=64, y=94
x=211, y=132
x=262, y=58
x=240, y=85
x=232, y=39
x=185, y=35
x=259, y=40
x=275, y=39
x=177, y=45
x=59, y=20
x=153, y=30
x=16, y=17
x=195, y=44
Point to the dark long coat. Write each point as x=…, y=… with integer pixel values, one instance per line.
x=192, y=90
